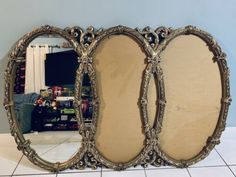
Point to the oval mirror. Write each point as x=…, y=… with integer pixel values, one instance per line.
x=87, y=101
x=42, y=74
x=197, y=95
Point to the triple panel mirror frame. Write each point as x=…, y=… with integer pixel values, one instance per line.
x=89, y=45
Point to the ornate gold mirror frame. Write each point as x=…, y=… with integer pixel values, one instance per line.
x=148, y=41
x=15, y=57
x=85, y=43
x=219, y=58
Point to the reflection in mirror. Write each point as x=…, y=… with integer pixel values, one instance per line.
x=44, y=96
x=87, y=98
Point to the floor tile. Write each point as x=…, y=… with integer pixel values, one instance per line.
x=7, y=166
x=211, y=172
x=151, y=167
x=131, y=173
x=51, y=137
x=9, y=158
x=233, y=168
x=7, y=140
x=167, y=172
x=42, y=148
x=139, y=167
x=213, y=159
x=228, y=145
x=50, y=145
x=81, y=171
x=84, y=174
x=229, y=132
x=39, y=175
x=56, y=155
x=26, y=167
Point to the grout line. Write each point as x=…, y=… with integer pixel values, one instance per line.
x=171, y=168
x=225, y=162
x=17, y=165
x=159, y=168
x=26, y=174
x=207, y=166
x=39, y=174
x=45, y=152
x=30, y=174
x=145, y=173
x=221, y=157
x=188, y=172
x=79, y=171
x=111, y=170
x=232, y=171
x=53, y=147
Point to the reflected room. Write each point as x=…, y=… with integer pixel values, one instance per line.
x=44, y=94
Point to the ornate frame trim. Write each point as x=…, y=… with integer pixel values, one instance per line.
x=148, y=41
x=14, y=57
x=220, y=58
x=85, y=42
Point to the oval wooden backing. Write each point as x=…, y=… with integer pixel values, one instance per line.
x=193, y=94
x=195, y=85
x=126, y=139
x=119, y=136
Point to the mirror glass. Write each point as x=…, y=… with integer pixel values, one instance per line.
x=44, y=97
x=87, y=101
x=193, y=94
x=119, y=63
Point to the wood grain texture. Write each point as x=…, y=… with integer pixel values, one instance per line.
x=193, y=94
x=119, y=63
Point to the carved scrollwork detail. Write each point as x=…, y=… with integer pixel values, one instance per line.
x=85, y=42
x=213, y=140
x=75, y=31
x=154, y=37
x=217, y=58
x=84, y=37
x=150, y=155
x=153, y=159
x=163, y=32
x=150, y=36
x=89, y=36
x=87, y=160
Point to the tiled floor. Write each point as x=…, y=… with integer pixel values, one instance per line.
x=50, y=144
x=220, y=163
